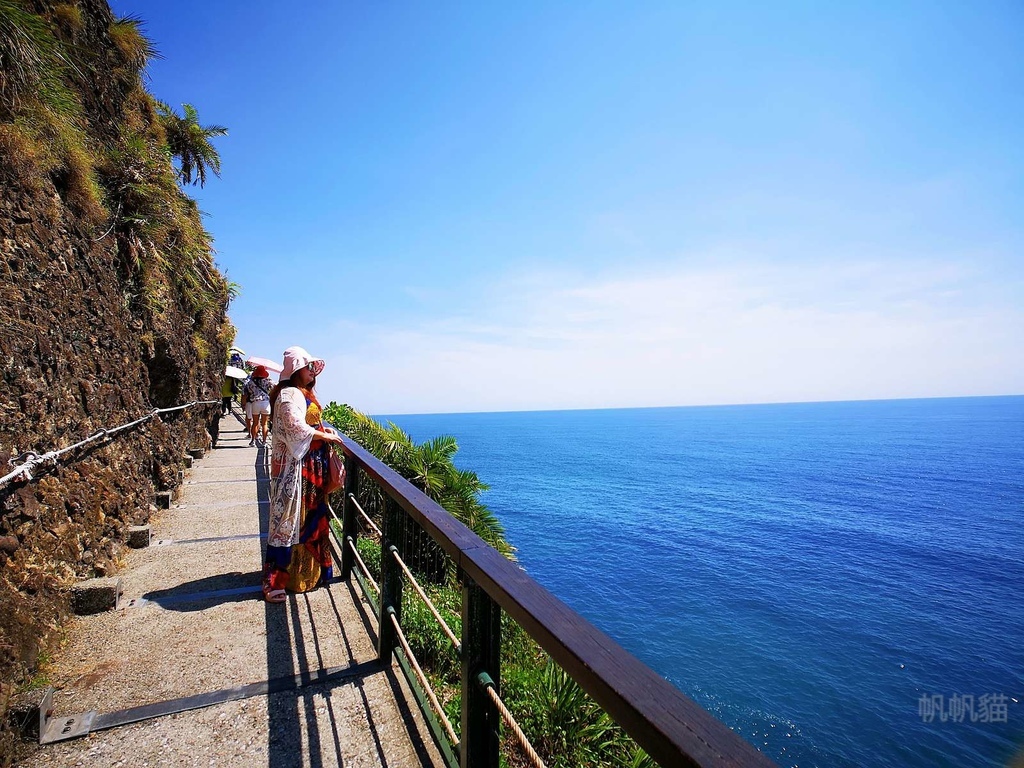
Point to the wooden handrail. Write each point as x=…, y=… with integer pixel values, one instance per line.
x=671, y=727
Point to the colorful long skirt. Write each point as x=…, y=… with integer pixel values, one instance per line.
x=307, y=564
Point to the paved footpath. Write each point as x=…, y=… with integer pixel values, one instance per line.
x=172, y=639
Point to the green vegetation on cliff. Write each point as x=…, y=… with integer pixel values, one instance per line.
x=116, y=174
x=429, y=466
x=112, y=305
x=190, y=143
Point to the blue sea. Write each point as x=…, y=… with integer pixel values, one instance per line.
x=841, y=583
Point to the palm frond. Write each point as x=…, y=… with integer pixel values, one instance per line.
x=430, y=467
x=189, y=142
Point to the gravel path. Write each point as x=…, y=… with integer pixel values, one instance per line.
x=168, y=647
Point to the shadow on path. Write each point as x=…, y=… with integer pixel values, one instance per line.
x=292, y=714
x=296, y=638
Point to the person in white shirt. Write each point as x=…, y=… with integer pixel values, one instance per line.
x=256, y=397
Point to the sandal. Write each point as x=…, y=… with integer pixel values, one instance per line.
x=275, y=595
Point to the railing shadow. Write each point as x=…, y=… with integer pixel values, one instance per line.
x=200, y=594
x=294, y=727
x=306, y=724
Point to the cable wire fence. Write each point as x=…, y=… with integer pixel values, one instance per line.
x=456, y=615
x=31, y=462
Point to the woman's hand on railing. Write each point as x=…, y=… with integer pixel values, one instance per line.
x=328, y=436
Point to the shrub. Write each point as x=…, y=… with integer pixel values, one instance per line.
x=430, y=467
x=20, y=152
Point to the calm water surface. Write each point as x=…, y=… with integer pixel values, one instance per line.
x=807, y=572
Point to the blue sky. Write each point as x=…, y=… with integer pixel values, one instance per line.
x=485, y=206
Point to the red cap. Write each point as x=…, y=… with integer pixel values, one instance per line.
x=260, y=372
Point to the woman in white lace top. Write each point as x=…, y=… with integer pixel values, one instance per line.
x=298, y=549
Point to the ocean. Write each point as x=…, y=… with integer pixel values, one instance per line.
x=841, y=583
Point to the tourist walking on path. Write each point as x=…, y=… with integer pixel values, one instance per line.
x=245, y=408
x=227, y=392
x=298, y=547
x=256, y=399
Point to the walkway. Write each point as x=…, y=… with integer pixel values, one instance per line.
x=180, y=640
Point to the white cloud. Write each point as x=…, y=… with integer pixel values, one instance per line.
x=692, y=335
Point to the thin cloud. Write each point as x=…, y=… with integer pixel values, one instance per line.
x=695, y=336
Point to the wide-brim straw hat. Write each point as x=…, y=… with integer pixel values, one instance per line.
x=296, y=358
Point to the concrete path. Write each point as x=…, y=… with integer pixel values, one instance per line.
x=171, y=642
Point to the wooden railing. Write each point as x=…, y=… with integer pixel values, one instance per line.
x=673, y=729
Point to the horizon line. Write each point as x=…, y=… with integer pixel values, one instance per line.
x=692, y=405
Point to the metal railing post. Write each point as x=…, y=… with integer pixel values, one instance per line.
x=393, y=529
x=481, y=652
x=349, y=516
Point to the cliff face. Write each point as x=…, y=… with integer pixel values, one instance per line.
x=110, y=306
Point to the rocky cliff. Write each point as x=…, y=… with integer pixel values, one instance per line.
x=110, y=306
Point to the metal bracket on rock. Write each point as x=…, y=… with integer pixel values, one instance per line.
x=52, y=729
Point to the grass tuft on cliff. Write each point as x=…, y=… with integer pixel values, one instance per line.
x=33, y=63
x=137, y=49
x=125, y=186
x=69, y=18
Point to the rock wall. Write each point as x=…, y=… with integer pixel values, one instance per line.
x=80, y=351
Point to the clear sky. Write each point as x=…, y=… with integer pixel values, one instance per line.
x=506, y=206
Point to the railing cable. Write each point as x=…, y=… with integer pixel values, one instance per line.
x=426, y=600
x=422, y=678
x=366, y=571
x=33, y=461
x=485, y=681
x=331, y=512
x=359, y=560
x=366, y=517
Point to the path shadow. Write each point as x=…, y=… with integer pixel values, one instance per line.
x=306, y=726
x=295, y=713
x=292, y=715
x=200, y=594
